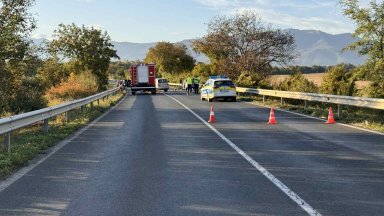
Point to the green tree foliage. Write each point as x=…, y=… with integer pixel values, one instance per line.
x=18, y=61
x=52, y=72
x=370, y=41
x=85, y=49
x=298, y=83
x=369, y=31
x=376, y=88
x=29, y=95
x=119, y=70
x=254, y=80
x=170, y=58
x=202, y=70
x=339, y=80
x=244, y=44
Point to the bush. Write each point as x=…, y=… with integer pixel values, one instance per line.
x=298, y=83
x=252, y=81
x=338, y=81
x=77, y=86
x=29, y=96
x=374, y=90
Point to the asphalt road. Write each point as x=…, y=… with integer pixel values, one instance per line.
x=151, y=156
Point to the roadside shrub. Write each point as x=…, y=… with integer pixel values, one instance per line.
x=374, y=90
x=338, y=81
x=298, y=83
x=77, y=86
x=249, y=80
x=29, y=96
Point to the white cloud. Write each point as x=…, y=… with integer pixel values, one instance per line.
x=323, y=15
x=96, y=26
x=39, y=36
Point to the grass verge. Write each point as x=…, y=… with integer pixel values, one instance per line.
x=361, y=117
x=28, y=142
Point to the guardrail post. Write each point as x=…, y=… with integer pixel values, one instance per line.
x=339, y=107
x=82, y=109
x=7, y=141
x=305, y=104
x=98, y=102
x=66, y=117
x=45, y=128
x=92, y=105
x=263, y=98
x=282, y=101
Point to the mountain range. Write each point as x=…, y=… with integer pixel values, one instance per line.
x=314, y=48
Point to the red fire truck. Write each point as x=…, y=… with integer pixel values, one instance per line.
x=143, y=78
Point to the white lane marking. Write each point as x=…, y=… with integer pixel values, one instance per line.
x=16, y=176
x=304, y=205
x=312, y=117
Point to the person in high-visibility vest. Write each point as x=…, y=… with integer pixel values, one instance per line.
x=189, y=85
x=196, y=83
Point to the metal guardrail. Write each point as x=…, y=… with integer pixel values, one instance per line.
x=175, y=84
x=373, y=103
x=7, y=125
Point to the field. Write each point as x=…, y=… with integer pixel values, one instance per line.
x=316, y=78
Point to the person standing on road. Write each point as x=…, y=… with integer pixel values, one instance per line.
x=196, y=83
x=189, y=85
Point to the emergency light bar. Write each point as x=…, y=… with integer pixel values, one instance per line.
x=218, y=77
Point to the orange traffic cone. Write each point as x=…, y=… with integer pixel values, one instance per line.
x=272, y=119
x=212, y=116
x=331, y=119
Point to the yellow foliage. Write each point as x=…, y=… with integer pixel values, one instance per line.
x=77, y=86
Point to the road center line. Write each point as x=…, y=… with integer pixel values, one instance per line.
x=304, y=205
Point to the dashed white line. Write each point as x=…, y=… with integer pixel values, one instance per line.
x=296, y=198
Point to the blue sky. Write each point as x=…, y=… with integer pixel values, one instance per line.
x=144, y=21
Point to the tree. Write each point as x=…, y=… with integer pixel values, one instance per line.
x=16, y=25
x=369, y=34
x=85, y=49
x=243, y=44
x=202, y=70
x=170, y=58
x=119, y=69
x=370, y=42
x=52, y=72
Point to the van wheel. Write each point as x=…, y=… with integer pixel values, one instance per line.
x=202, y=98
x=153, y=92
x=210, y=99
x=165, y=90
x=133, y=92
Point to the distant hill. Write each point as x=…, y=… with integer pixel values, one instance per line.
x=320, y=48
x=314, y=48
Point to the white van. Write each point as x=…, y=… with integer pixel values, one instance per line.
x=162, y=84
